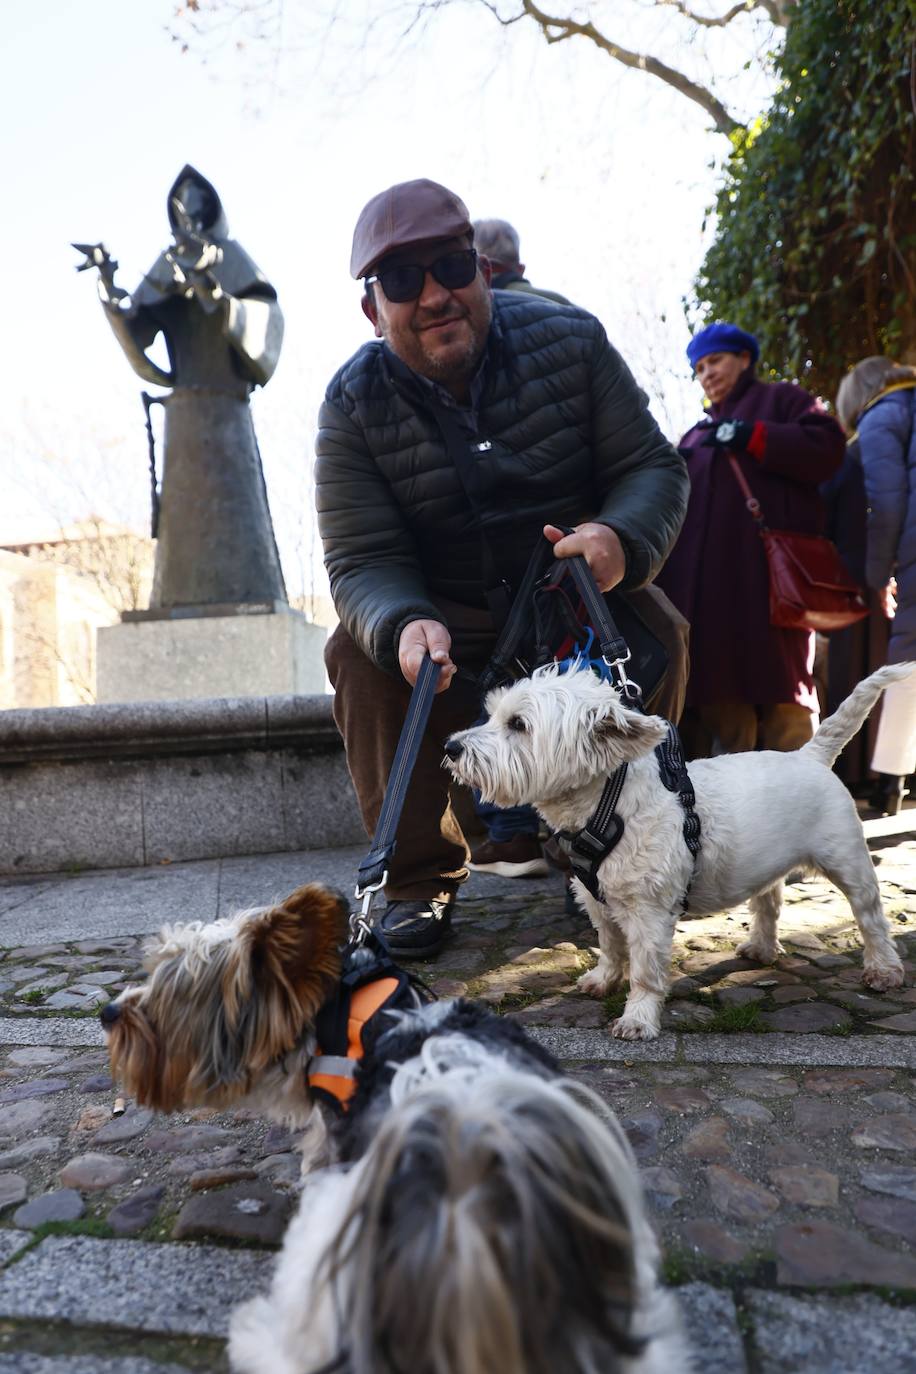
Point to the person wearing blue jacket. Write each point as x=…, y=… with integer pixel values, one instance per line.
x=876, y=403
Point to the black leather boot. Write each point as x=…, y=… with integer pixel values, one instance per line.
x=887, y=795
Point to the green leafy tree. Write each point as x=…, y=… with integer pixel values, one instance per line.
x=815, y=246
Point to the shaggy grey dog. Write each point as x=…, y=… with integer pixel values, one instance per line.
x=486, y=1218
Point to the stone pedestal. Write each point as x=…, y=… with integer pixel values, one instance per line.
x=218, y=651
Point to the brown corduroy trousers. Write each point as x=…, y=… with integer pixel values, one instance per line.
x=369, y=709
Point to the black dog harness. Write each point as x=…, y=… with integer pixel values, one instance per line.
x=371, y=984
x=587, y=848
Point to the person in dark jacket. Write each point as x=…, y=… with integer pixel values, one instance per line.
x=498, y=241
x=561, y=435
x=751, y=684
x=876, y=402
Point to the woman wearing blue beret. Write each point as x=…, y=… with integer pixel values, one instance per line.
x=751, y=685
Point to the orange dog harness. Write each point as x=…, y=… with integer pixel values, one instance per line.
x=332, y=1071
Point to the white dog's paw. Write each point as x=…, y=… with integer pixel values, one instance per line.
x=598, y=982
x=628, y=1028
x=881, y=977
x=759, y=953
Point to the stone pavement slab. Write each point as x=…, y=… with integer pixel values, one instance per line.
x=712, y=1329
x=137, y=901
x=111, y=902
x=24, y=1363
x=855, y=1335
x=134, y=1285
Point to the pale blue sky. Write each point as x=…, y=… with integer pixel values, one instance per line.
x=604, y=172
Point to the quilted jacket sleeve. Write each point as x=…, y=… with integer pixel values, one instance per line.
x=641, y=479
x=376, y=581
x=883, y=441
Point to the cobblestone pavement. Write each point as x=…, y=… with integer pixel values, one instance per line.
x=774, y=1121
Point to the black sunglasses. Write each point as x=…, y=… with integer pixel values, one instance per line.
x=405, y=283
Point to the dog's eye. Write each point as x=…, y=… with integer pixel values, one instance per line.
x=516, y=723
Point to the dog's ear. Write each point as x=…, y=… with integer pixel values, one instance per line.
x=301, y=936
x=293, y=961
x=624, y=734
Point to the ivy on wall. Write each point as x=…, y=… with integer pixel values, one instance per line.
x=815, y=250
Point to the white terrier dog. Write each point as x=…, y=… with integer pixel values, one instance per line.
x=552, y=741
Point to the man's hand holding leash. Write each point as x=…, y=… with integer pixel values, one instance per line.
x=422, y=637
x=598, y=544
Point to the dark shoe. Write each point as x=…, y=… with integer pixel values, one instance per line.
x=888, y=794
x=519, y=857
x=416, y=929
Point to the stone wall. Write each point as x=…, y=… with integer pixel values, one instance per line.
x=148, y=782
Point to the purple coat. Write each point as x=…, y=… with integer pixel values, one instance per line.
x=716, y=574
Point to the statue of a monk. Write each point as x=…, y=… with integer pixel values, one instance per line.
x=223, y=328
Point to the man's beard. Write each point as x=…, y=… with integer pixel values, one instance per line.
x=460, y=367
x=455, y=369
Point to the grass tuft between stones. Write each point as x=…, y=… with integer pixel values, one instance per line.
x=732, y=1020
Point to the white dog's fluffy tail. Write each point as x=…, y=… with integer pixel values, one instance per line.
x=838, y=729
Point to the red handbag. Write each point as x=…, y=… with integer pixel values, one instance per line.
x=810, y=588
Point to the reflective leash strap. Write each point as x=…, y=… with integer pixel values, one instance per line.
x=373, y=871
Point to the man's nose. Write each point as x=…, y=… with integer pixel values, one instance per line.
x=434, y=294
x=454, y=748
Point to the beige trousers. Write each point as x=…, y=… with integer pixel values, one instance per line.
x=895, y=747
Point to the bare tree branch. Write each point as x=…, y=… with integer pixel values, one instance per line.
x=556, y=30
x=708, y=21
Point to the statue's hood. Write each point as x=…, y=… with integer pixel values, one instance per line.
x=235, y=271
x=217, y=226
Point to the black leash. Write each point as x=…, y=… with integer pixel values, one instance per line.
x=373, y=871
x=614, y=649
x=504, y=660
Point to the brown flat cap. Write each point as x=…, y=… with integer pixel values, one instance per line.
x=407, y=213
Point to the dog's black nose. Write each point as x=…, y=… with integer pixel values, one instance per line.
x=108, y=1015
x=454, y=748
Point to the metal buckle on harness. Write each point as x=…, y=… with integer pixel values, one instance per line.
x=359, y=920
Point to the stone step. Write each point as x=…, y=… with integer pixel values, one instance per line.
x=878, y=1051
x=26, y=1362
x=131, y=1285
x=847, y=1335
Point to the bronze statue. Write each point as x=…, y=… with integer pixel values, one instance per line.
x=223, y=329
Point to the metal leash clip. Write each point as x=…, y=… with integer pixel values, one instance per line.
x=359, y=920
x=628, y=689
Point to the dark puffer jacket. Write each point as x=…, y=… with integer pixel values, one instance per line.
x=887, y=443
x=572, y=440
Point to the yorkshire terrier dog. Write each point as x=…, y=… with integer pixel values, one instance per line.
x=485, y=1215
x=483, y=1212
x=227, y=1011
x=553, y=741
